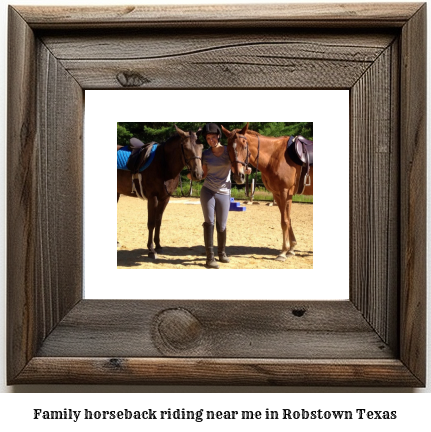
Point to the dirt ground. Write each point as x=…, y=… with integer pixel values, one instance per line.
x=253, y=236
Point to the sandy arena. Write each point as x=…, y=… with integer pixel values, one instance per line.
x=253, y=236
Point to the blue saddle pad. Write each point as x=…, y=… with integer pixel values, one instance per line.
x=123, y=156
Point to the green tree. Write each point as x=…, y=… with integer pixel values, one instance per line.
x=123, y=135
x=161, y=131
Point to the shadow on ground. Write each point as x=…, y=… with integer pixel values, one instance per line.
x=181, y=256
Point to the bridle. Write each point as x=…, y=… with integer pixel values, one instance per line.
x=247, y=158
x=185, y=160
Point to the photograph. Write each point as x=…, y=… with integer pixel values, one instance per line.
x=197, y=177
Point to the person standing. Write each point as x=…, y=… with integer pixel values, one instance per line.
x=215, y=194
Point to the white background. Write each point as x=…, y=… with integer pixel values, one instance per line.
x=16, y=409
x=329, y=278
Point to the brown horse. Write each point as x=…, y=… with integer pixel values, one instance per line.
x=280, y=174
x=160, y=179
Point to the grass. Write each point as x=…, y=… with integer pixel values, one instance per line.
x=260, y=194
x=303, y=199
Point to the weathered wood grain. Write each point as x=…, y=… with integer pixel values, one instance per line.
x=59, y=180
x=135, y=371
x=245, y=67
x=227, y=329
x=200, y=72
x=374, y=194
x=21, y=194
x=274, y=59
x=45, y=106
x=291, y=14
x=413, y=193
x=392, y=302
x=376, y=338
x=159, y=44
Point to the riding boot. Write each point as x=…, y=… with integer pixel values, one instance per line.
x=221, y=245
x=211, y=263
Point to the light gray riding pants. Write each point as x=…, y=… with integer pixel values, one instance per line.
x=215, y=204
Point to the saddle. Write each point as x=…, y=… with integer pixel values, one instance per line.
x=136, y=158
x=300, y=151
x=139, y=156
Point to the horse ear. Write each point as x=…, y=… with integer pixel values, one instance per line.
x=244, y=129
x=226, y=132
x=179, y=131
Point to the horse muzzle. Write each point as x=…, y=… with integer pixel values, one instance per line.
x=239, y=178
x=197, y=174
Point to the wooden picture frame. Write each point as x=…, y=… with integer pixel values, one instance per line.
x=376, y=338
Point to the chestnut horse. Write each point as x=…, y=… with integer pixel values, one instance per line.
x=161, y=178
x=280, y=174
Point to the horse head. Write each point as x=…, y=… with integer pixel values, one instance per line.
x=192, y=153
x=237, y=146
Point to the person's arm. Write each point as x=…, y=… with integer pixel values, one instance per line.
x=204, y=169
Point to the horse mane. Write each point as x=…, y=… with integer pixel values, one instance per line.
x=254, y=133
x=251, y=132
x=171, y=138
x=257, y=134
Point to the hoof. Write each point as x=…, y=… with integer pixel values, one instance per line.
x=281, y=258
x=159, y=249
x=118, y=244
x=152, y=255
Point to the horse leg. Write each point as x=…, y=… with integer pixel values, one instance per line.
x=151, y=224
x=293, y=241
x=292, y=238
x=159, y=215
x=284, y=207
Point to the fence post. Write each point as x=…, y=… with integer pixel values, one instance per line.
x=252, y=191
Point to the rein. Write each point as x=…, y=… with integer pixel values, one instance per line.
x=181, y=188
x=185, y=163
x=258, y=152
x=247, y=158
x=185, y=160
